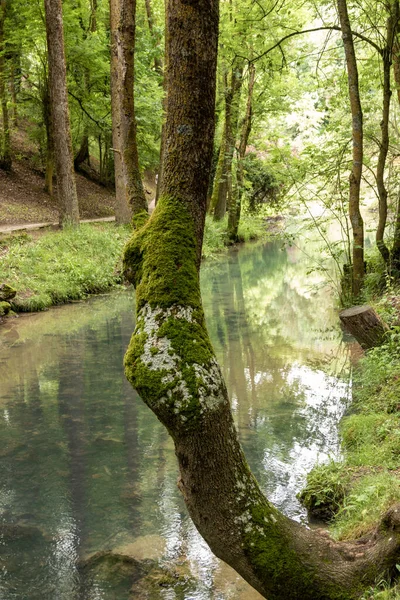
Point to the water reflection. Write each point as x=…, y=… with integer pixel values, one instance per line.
x=85, y=466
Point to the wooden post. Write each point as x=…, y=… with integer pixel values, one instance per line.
x=365, y=325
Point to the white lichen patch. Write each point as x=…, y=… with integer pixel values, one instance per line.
x=159, y=355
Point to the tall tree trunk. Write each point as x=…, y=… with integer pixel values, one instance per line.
x=5, y=157
x=14, y=64
x=66, y=187
x=236, y=206
x=384, y=144
x=123, y=14
x=223, y=185
x=46, y=106
x=84, y=149
x=396, y=237
x=164, y=108
x=170, y=360
x=356, y=220
x=158, y=66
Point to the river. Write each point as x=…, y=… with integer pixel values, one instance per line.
x=86, y=467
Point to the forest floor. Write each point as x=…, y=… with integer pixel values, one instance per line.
x=22, y=196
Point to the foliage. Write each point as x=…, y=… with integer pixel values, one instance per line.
x=252, y=227
x=260, y=184
x=325, y=490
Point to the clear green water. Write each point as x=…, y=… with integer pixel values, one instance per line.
x=85, y=466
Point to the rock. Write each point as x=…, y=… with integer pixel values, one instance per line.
x=165, y=581
x=5, y=308
x=113, y=568
x=7, y=292
x=147, y=547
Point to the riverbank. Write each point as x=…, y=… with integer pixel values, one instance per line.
x=354, y=494
x=57, y=267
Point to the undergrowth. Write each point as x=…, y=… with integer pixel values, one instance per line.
x=251, y=227
x=64, y=266
x=60, y=267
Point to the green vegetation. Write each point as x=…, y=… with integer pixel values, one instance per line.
x=354, y=493
x=63, y=266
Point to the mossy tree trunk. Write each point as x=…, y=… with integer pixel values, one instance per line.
x=66, y=187
x=356, y=219
x=171, y=362
x=123, y=25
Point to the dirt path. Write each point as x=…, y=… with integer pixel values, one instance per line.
x=4, y=229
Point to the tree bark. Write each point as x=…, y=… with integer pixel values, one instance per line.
x=395, y=253
x=46, y=107
x=158, y=66
x=222, y=183
x=365, y=325
x=123, y=14
x=236, y=205
x=356, y=220
x=66, y=187
x=384, y=143
x=5, y=157
x=170, y=360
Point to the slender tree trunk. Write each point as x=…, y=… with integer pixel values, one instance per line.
x=384, y=144
x=122, y=14
x=66, y=187
x=48, y=185
x=164, y=108
x=356, y=220
x=158, y=66
x=5, y=157
x=235, y=207
x=396, y=237
x=223, y=184
x=171, y=363
x=13, y=87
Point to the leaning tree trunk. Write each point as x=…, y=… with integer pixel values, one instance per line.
x=170, y=360
x=356, y=172
x=123, y=14
x=66, y=187
x=384, y=143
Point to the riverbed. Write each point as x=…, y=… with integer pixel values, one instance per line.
x=85, y=467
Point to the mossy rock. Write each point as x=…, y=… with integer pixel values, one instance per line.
x=113, y=568
x=325, y=490
x=163, y=579
x=5, y=308
x=7, y=292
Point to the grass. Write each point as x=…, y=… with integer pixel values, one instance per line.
x=64, y=266
x=61, y=267
x=366, y=482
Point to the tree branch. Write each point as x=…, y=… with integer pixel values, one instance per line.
x=330, y=27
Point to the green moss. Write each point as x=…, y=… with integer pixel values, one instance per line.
x=160, y=258
x=5, y=308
